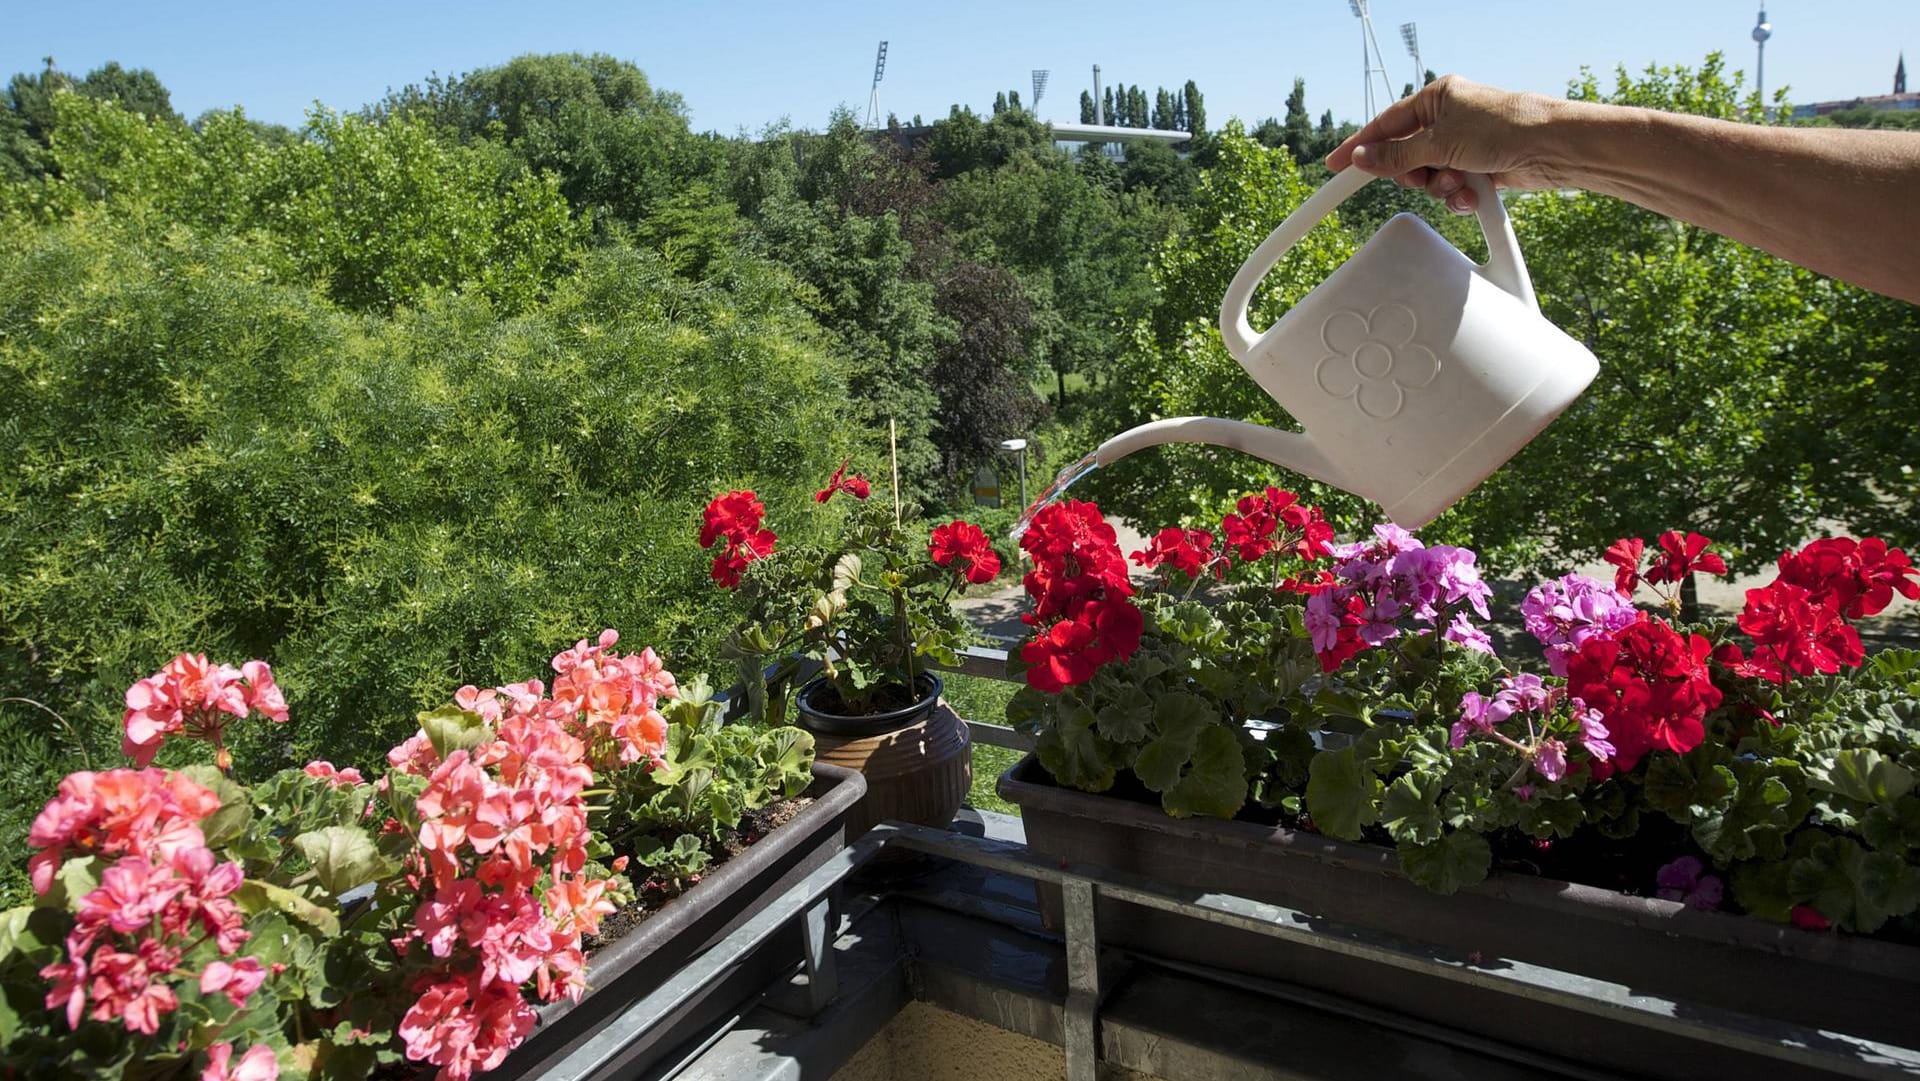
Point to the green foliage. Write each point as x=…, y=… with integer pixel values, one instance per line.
x=675, y=816
x=869, y=607
x=379, y=215
x=616, y=146
x=205, y=458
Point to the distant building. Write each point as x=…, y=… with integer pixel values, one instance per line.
x=1898, y=100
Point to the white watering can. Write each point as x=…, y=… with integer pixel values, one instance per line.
x=1415, y=371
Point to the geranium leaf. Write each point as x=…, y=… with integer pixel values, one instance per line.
x=1216, y=780
x=1410, y=811
x=1073, y=752
x=1179, y=717
x=1124, y=718
x=1688, y=787
x=451, y=729
x=1857, y=890
x=255, y=896
x=230, y=821
x=1443, y=866
x=74, y=880
x=341, y=857
x=1863, y=774
x=1341, y=794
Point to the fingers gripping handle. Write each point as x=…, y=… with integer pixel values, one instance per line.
x=1504, y=266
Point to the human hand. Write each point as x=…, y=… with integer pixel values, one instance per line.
x=1453, y=127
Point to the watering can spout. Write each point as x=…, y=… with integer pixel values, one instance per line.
x=1289, y=450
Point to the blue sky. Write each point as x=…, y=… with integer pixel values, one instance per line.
x=744, y=64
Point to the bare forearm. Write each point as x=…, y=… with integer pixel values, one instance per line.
x=1845, y=203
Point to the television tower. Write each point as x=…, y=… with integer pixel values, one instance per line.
x=1762, y=30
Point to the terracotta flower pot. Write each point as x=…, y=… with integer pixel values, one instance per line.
x=918, y=761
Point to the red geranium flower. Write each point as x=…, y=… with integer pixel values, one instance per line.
x=1859, y=576
x=1625, y=555
x=735, y=518
x=1651, y=686
x=1076, y=557
x=1796, y=631
x=855, y=486
x=1185, y=550
x=1257, y=529
x=966, y=543
x=1070, y=651
x=1880, y=572
x=1307, y=587
x=1682, y=556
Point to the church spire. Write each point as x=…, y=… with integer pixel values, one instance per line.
x=1900, y=75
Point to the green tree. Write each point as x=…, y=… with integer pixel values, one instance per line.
x=1086, y=108
x=27, y=117
x=1163, y=114
x=1196, y=110
x=1298, y=129
x=615, y=143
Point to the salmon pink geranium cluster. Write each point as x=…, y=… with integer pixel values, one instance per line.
x=196, y=699
x=213, y=922
x=161, y=893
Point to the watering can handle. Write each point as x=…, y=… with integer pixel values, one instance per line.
x=1504, y=266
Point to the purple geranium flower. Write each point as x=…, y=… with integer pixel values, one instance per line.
x=1683, y=880
x=1551, y=759
x=1564, y=614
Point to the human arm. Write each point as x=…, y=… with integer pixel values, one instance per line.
x=1842, y=202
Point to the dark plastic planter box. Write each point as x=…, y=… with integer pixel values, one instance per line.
x=652, y=952
x=1833, y=982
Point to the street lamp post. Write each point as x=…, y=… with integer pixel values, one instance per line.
x=1019, y=447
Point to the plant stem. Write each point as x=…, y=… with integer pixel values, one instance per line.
x=79, y=743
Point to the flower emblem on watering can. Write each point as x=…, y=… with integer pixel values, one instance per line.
x=1374, y=360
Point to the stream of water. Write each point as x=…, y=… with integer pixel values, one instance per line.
x=1061, y=482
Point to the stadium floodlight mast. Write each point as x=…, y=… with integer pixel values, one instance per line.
x=1372, y=60
x=873, y=96
x=1762, y=30
x=1411, y=35
x=1039, y=88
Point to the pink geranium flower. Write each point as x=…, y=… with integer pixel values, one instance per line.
x=192, y=697
x=237, y=981
x=258, y=1064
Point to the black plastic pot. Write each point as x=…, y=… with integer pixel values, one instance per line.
x=687, y=926
x=1833, y=982
x=815, y=719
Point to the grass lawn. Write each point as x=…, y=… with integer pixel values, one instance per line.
x=984, y=700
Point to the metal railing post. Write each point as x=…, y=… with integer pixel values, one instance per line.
x=1081, y=1031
